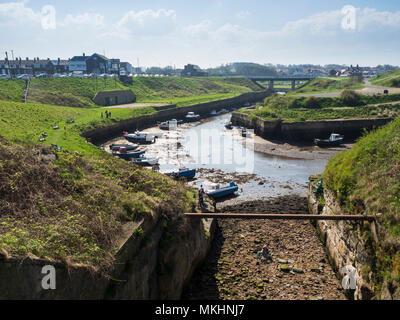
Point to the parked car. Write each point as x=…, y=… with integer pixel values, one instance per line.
x=24, y=76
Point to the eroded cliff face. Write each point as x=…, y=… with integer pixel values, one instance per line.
x=348, y=244
x=155, y=262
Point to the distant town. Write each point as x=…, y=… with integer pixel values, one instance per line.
x=99, y=65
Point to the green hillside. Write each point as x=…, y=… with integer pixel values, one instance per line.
x=348, y=105
x=70, y=205
x=389, y=79
x=77, y=92
x=367, y=176
x=12, y=90
x=326, y=85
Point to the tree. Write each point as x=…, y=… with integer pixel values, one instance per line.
x=350, y=98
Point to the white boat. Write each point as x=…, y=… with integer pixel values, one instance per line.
x=169, y=125
x=191, y=116
x=213, y=113
x=223, y=111
x=140, y=137
x=146, y=161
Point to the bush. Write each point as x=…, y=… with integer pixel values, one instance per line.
x=350, y=98
x=312, y=103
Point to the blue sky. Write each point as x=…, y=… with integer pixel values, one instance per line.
x=207, y=33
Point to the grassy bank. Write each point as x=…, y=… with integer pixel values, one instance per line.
x=12, y=90
x=366, y=178
x=76, y=92
x=347, y=105
x=389, y=79
x=327, y=85
x=70, y=205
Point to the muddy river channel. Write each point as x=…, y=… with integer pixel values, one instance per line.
x=272, y=178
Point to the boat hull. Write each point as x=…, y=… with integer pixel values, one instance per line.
x=129, y=155
x=327, y=143
x=223, y=192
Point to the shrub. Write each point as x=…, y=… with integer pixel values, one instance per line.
x=350, y=98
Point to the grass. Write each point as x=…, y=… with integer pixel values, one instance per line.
x=348, y=105
x=330, y=84
x=74, y=92
x=389, y=79
x=12, y=90
x=78, y=92
x=368, y=176
x=27, y=121
x=70, y=208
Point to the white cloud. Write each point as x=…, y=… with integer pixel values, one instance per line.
x=93, y=19
x=369, y=18
x=148, y=22
x=15, y=13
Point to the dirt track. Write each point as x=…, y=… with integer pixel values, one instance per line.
x=299, y=268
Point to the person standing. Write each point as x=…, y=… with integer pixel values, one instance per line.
x=201, y=197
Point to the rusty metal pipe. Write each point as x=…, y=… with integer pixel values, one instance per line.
x=228, y=215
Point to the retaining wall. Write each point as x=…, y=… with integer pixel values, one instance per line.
x=100, y=135
x=306, y=131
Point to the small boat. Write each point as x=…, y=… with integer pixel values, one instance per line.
x=145, y=161
x=213, y=113
x=125, y=154
x=333, y=141
x=191, y=116
x=183, y=173
x=229, y=126
x=140, y=137
x=223, y=111
x=244, y=132
x=224, y=191
x=169, y=125
x=127, y=146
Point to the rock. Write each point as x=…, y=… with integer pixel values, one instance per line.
x=284, y=268
x=298, y=270
x=282, y=261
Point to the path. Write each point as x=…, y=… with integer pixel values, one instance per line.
x=369, y=89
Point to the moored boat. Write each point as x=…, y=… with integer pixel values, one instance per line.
x=145, y=161
x=127, y=146
x=333, y=141
x=169, y=125
x=125, y=154
x=191, y=116
x=229, y=126
x=183, y=173
x=224, y=191
x=140, y=137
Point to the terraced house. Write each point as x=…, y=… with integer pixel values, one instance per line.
x=32, y=67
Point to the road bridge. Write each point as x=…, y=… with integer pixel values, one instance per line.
x=271, y=80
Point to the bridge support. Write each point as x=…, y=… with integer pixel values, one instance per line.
x=271, y=84
x=293, y=84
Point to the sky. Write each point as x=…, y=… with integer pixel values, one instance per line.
x=207, y=33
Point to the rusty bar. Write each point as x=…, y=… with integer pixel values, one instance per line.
x=280, y=216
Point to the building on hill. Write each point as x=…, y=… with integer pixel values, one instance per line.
x=98, y=64
x=77, y=64
x=192, y=70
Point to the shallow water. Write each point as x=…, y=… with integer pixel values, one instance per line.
x=209, y=145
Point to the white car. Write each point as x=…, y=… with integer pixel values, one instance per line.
x=23, y=76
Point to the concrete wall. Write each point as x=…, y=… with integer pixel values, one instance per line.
x=346, y=245
x=306, y=131
x=108, y=98
x=100, y=135
x=143, y=268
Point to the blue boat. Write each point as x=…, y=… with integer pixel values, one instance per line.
x=183, y=173
x=124, y=154
x=229, y=126
x=223, y=191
